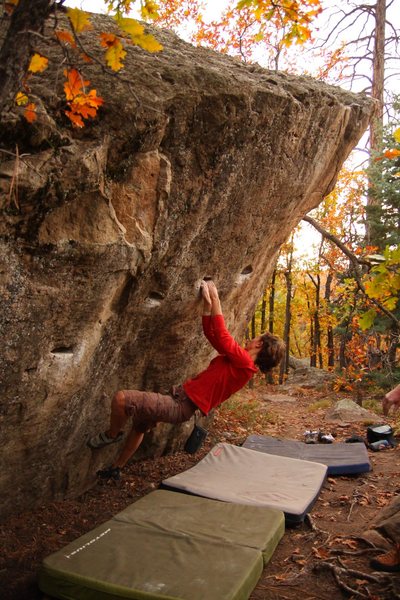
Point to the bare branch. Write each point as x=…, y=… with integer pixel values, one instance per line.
x=356, y=262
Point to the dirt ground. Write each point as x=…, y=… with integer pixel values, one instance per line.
x=323, y=558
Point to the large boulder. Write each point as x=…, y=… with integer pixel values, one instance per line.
x=196, y=165
x=348, y=411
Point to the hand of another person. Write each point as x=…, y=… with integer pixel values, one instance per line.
x=391, y=400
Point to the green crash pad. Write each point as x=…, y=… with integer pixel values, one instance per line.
x=259, y=528
x=167, y=546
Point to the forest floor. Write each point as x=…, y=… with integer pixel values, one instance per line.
x=321, y=559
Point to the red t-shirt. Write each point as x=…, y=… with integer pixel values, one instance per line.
x=226, y=374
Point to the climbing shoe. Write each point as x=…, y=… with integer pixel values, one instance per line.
x=102, y=439
x=388, y=562
x=110, y=473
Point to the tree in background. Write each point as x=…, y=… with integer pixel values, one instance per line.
x=384, y=176
x=371, y=61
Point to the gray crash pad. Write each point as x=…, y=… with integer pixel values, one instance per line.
x=339, y=457
x=243, y=476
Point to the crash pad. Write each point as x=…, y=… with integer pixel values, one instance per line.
x=243, y=476
x=340, y=458
x=167, y=546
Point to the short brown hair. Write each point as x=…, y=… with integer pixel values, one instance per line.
x=271, y=353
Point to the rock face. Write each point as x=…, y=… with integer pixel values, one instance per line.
x=197, y=165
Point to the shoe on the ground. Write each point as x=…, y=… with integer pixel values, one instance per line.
x=325, y=438
x=379, y=445
x=110, y=473
x=390, y=561
x=102, y=439
x=355, y=439
x=311, y=437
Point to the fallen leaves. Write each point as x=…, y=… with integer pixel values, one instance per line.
x=321, y=553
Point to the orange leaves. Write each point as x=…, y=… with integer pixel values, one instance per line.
x=21, y=99
x=392, y=153
x=321, y=553
x=81, y=104
x=30, y=112
x=292, y=16
x=65, y=37
x=38, y=64
x=74, y=84
x=9, y=6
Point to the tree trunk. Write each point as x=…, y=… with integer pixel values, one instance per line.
x=271, y=303
x=342, y=351
x=394, y=342
x=329, y=332
x=263, y=313
x=313, y=356
x=378, y=83
x=284, y=368
x=317, y=326
x=27, y=19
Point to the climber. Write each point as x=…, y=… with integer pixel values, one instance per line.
x=226, y=374
x=391, y=400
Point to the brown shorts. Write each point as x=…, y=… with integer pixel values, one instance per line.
x=149, y=408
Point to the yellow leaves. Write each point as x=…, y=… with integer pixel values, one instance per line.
x=115, y=52
x=293, y=17
x=81, y=104
x=148, y=42
x=21, y=99
x=79, y=19
x=149, y=10
x=137, y=34
x=38, y=63
x=396, y=135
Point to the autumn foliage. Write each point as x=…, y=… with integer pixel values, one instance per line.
x=83, y=102
x=242, y=25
